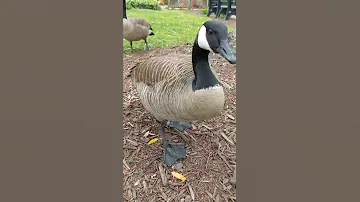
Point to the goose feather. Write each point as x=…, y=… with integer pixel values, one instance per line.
x=164, y=85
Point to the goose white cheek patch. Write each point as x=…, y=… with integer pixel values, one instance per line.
x=202, y=41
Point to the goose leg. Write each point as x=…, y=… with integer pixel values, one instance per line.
x=131, y=46
x=147, y=47
x=179, y=125
x=172, y=152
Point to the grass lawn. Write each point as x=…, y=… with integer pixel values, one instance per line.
x=171, y=27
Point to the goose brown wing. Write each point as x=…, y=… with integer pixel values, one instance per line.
x=162, y=70
x=140, y=21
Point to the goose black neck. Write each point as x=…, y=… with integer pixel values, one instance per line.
x=204, y=78
x=124, y=10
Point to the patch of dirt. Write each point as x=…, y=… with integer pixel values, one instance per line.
x=211, y=154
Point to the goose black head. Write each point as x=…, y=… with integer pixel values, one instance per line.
x=213, y=36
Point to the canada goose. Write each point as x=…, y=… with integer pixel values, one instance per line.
x=136, y=29
x=176, y=89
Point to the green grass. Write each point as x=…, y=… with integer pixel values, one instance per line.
x=171, y=28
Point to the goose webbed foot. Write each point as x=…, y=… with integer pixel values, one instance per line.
x=179, y=125
x=172, y=152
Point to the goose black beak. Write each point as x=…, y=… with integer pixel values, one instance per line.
x=225, y=51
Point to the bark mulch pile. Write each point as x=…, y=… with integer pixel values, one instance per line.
x=211, y=156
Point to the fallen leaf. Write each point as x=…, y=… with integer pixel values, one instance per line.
x=153, y=141
x=178, y=176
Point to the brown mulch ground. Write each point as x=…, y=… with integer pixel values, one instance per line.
x=211, y=155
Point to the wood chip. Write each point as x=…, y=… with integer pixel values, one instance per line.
x=224, y=159
x=232, y=134
x=181, y=192
x=225, y=197
x=178, y=166
x=207, y=127
x=133, y=142
x=202, y=133
x=147, y=134
x=145, y=186
x=187, y=198
x=163, y=195
x=126, y=165
x=134, y=194
x=129, y=194
x=230, y=116
x=134, y=153
x=192, y=194
x=145, y=129
x=214, y=193
x=223, y=83
x=227, y=139
x=217, y=198
x=182, y=135
x=233, y=178
x=175, y=183
x=137, y=183
x=208, y=193
x=192, y=137
x=129, y=147
x=162, y=174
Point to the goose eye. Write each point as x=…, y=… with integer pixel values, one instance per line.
x=210, y=31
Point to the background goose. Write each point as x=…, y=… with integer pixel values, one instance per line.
x=136, y=29
x=177, y=89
